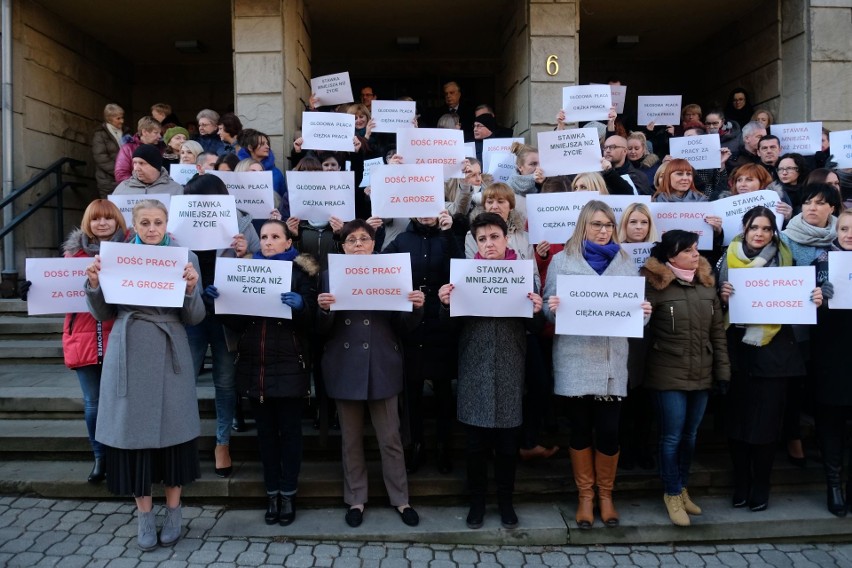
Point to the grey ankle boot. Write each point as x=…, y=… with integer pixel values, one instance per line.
x=146, y=537
x=170, y=533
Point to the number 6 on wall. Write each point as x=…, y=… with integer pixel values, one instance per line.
x=552, y=65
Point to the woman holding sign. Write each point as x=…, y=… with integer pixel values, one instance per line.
x=362, y=361
x=148, y=419
x=763, y=359
x=687, y=354
x=591, y=371
x=792, y=171
x=500, y=199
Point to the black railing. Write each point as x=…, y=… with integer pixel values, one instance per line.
x=56, y=191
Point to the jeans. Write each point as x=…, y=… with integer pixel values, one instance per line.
x=680, y=414
x=210, y=332
x=90, y=384
x=279, y=434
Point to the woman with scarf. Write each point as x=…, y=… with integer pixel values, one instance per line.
x=763, y=359
x=148, y=415
x=490, y=387
x=792, y=171
x=687, y=355
x=591, y=371
x=274, y=371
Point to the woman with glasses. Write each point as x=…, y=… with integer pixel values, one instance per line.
x=591, y=371
x=792, y=171
x=362, y=362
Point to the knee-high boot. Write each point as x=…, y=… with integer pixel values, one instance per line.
x=477, y=484
x=583, y=464
x=605, y=469
x=832, y=462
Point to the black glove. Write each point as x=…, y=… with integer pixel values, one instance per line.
x=721, y=387
x=25, y=289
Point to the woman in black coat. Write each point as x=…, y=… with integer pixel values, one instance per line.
x=431, y=350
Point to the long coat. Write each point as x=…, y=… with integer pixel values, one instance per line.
x=582, y=364
x=104, y=150
x=147, y=397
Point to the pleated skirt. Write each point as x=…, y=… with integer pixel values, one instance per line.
x=133, y=472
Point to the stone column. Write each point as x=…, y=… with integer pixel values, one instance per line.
x=830, y=23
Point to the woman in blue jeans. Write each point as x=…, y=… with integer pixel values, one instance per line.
x=687, y=353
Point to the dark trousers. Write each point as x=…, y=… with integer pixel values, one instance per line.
x=481, y=442
x=594, y=423
x=279, y=435
x=752, y=470
x=538, y=379
x=831, y=433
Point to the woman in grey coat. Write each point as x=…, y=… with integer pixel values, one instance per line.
x=148, y=417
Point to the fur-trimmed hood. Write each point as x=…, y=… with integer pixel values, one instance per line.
x=308, y=264
x=659, y=276
x=74, y=243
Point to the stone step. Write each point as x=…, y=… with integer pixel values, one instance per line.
x=13, y=306
x=13, y=327
x=26, y=351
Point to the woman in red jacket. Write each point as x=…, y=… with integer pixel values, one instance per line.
x=84, y=339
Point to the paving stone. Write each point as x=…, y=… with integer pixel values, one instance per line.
x=644, y=559
x=819, y=556
x=123, y=563
x=26, y=559
x=689, y=559
x=600, y=559
x=372, y=552
x=347, y=562
x=299, y=561
x=465, y=556
x=173, y=564
x=17, y=545
x=419, y=554
x=251, y=558
x=800, y=561
x=280, y=548
x=732, y=559
x=510, y=557
x=48, y=561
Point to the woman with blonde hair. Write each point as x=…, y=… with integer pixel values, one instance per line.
x=106, y=141
x=499, y=198
x=637, y=225
x=639, y=156
x=189, y=152
x=763, y=116
x=589, y=181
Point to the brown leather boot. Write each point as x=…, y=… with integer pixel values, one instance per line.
x=605, y=468
x=582, y=462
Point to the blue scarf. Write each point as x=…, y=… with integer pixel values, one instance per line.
x=599, y=256
x=288, y=254
x=167, y=241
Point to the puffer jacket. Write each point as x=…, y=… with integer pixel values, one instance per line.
x=274, y=358
x=687, y=347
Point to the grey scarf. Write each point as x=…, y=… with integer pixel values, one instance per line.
x=801, y=232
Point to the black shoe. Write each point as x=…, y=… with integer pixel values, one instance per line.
x=409, y=516
x=288, y=510
x=739, y=501
x=476, y=514
x=836, y=504
x=354, y=517
x=414, y=457
x=238, y=425
x=508, y=518
x=273, y=509
x=757, y=507
x=98, y=472
x=444, y=459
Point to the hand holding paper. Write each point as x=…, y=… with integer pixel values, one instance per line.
x=93, y=272
x=294, y=300
x=191, y=277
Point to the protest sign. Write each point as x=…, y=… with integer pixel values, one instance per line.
x=491, y=288
x=428, y=146
x=203, y=222
x=778, y=295
x=370, y=281
x=839, y=274
x=496, y=146
x=662, y=111
x=470, y=149
x=608, y=306
x=317, y=196
x=552, y=217
x=731, y=209
x=639, y=252
x=253, y=191
x=405, y=190
x=703, y=152
x=390, y=116
x=182, y=173
x=803, y=138
x=332, y=89
x=841, y=148
x=501, y=166
x=368, y=168
x=252, y=287
x=125, y=203
x=686, y=217
x=582, y=103
x=566, y=152
x=619, y=94
x=57, y=285
x=143, y=275
x=332, y=131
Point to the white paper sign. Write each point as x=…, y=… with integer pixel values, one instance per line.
x=639, y=252
x=496, y=146
x=368, y=168
x=252, y=287
x=182, y=173
x=703, y=152
x=428, y=146
x=566, y=152
x=318, y=196
x=203, y=222
x=607, y=306
x=143, y=275
x=686, y=217
x=778, y=295
x=405, y=190
x=491, y=288
x=661, y=111
x=125, y=203
x=841, y=147
x=332, y=131
x=803, y=138
x=370, y=281
x=470, y=149
x=839, y=274
x=619, y=95
x=552, y=217
x=582, y=103
x=731, y=209
x=390, y=116
x=332, y=89
x=501, y=166
x=253, y=191
x=57, y=285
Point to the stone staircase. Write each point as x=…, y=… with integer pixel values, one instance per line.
x=44, y=450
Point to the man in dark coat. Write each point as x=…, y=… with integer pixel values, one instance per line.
x=615, y=151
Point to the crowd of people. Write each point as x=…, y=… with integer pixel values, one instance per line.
x=138, y=366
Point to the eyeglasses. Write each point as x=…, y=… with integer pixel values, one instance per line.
x=612, y=147
x=598, y=226
x=360, y=241
x=786, y=169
